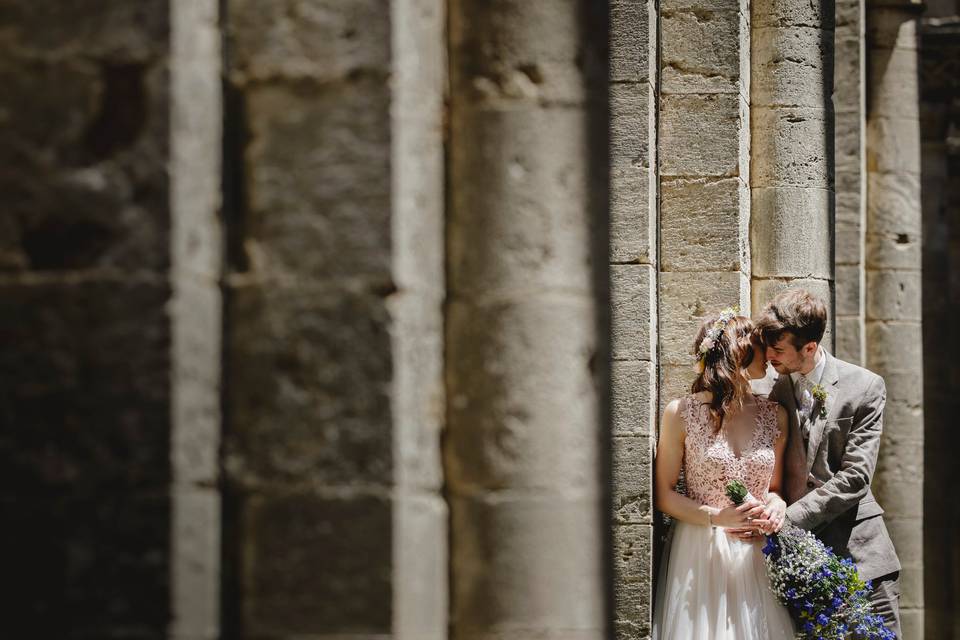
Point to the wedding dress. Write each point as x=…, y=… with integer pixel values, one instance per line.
x=714, y=586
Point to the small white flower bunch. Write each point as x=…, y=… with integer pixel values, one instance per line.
x=713, y=334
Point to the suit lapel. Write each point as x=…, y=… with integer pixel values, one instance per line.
x=828, y=381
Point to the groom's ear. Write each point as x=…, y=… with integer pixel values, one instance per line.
x=810, y=348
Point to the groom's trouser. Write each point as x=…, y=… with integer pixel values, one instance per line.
x=886, y=600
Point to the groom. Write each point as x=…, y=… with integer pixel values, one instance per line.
x=836, y=417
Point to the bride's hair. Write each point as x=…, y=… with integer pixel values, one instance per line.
x=723, y=364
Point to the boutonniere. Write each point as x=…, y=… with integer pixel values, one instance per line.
x=820, y=395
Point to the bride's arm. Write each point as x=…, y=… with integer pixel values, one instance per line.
x=776, y=505
x=667, y=466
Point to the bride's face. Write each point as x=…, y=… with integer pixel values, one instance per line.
x=758, y=366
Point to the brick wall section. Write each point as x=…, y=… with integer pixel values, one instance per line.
x=704, y=161
x=633, y=226
x=850, y=116
x=333, y=342
x=524, y=350
x=893, y=279
x=793, y=137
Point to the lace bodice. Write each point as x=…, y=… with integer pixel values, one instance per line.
x=710, y=462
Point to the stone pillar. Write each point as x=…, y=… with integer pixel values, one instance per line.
x=793, y=138
x=334, y=320
x=893, y=320
x=196, y=317
x=704, y=160
x=633, y=255
x=849, y=99
x=526, y=256
x=940, y=186
x=110, y=319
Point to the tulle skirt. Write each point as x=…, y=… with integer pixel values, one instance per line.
x=715, y=587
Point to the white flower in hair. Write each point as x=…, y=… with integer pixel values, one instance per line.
x=713, y=333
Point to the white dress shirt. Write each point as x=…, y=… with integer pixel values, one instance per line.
x=803, y=384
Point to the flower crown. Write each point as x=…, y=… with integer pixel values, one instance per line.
x=713, y=334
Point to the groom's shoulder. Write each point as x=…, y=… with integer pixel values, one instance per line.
x=856, y=375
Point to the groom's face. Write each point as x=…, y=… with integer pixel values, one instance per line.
x=786, y=358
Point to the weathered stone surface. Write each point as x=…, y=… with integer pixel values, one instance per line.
x=700, y=135
x=676, y=380
x=632, y=297
x=789, y=66
x=894, y=346
x=630, y=124
x=894, y=295
x=518, y=51
x=318, y=179
x=894, y=145
x=324, y=40
x=632, y=480
x=633, y=391
x=85, y=445
x=631, y=223
x=893, y=204
x=629, y=41
x=503, y=395
x=849, y=339
x=300, y=545
x=787, y=226
x=309, y=392
x=535, y=179
x=685, y=298
x=513, y=552
x=196, y=567
x=703, y=225
x=633, y=569
x=793, y=13
x=420, y=594
x=418, y=394
x=848, y=290
x=701, y=50
x=848, y=230
x=789, y=147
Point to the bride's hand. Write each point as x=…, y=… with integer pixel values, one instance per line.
x=774, y=513
x=734, y=517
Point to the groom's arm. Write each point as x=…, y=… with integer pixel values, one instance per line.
x=845, y=489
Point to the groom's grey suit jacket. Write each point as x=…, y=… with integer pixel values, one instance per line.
x=829, y=465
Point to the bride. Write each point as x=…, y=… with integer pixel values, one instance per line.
x=715, y=586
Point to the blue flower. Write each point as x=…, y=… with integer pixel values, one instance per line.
x=836, y=602
x=791, y=593
x=770, y=547
x=808, y=606
x=822, y=620
x=808, y=627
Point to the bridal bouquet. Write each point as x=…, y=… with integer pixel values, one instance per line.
x=823, y=593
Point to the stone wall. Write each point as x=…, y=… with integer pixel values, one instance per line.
x=633, y=259
x=110, y=318
x=333, y=340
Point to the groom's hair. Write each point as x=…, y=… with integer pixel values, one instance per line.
x=797, y=311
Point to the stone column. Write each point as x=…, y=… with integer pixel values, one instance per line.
x=633, y=255
x=110, y=318
x=940, y=186
x=791, y=233
x=526, y=358
x=849, y=99
x=893, y=322
x=334, y=320
x=196, y=316
x=704, y=159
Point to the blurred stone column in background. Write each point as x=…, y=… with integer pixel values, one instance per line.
x=333, y=343
x=526, y=356
x=633, y=255
x=704, y=160
x=110, y=318
x=940, y=186
x=893, y=260
x=849, y=99
x=791, y=108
